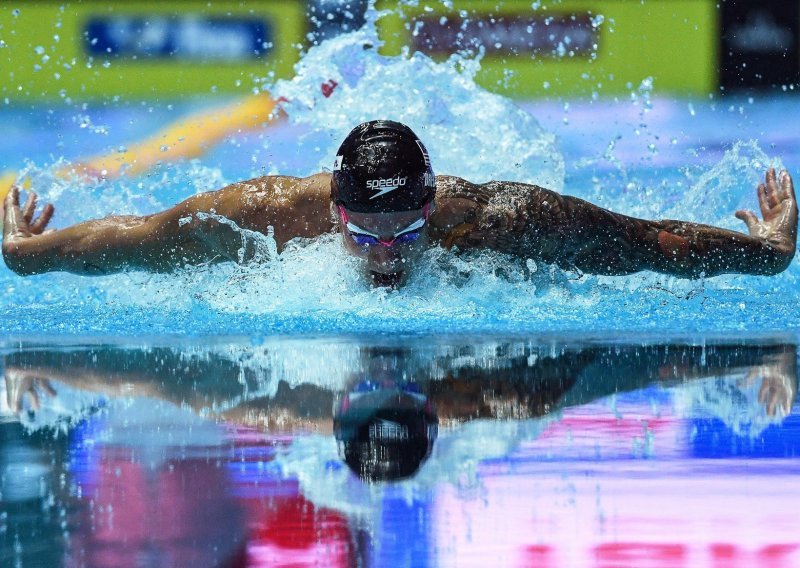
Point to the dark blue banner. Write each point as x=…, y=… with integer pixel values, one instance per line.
x=187, y=38
x=759, y=44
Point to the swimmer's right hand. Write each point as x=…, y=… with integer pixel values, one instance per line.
x=20, y=383
x=20, y=225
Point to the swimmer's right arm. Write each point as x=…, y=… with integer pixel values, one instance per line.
x=156, y=243
x=204, y=228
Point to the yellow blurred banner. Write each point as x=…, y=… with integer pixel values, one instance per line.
x=143, y=50
x=140, y=49
x=568, y=47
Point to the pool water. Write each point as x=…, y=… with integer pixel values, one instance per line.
x=651, y=157
x=205, y=417
x=547, y=452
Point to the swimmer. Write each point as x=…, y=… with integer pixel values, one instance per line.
x=383, y=197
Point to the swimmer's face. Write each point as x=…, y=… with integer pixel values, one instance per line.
x=389, y=243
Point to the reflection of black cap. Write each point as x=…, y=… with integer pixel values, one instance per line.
x=386, y=434
x=382, y=167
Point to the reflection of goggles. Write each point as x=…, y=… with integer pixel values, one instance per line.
x=365, y=238
x=369, y=398
x=369, y=386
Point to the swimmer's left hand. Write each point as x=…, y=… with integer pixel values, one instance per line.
x=779, y=209
x=778, y=380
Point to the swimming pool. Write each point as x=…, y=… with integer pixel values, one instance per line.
x=549, y=452
x=188, y=419
x=698, y=160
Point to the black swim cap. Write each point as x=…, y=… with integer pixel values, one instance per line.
x=382, y=167
x=385, y=436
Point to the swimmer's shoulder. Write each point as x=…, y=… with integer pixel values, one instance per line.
x=456, y=188
x=280, y=191
x=461, y=206
x=458, y=205
x=294, y=206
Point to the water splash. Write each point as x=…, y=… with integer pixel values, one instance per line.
x=467, y=130
x=314, y=286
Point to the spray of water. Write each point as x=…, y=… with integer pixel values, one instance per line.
x=313, y=286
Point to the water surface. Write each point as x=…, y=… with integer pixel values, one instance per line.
x=545, y=451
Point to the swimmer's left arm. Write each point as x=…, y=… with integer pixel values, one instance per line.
x=572, y=233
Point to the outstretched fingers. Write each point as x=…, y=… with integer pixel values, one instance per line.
x=786, y=186
x=12, y=198
x=40, y=224
x=30, y=206
x=12, y=215
x=763, y=200
x=773, y=189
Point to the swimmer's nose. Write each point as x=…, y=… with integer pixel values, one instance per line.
x=385, y=258
x=386, y=240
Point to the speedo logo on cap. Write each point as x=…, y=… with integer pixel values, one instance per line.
x=385, y=185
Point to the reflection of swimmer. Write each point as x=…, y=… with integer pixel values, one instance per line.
x=386, y=412
x=186, y=138
x=380, y=196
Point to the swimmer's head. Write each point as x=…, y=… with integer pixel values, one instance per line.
x=384, y=430
x=382, y=192
x=382, y=167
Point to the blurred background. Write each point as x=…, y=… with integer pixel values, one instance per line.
x=97, y=90
x=95, y=50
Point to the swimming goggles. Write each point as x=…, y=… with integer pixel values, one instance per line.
x=363, y=237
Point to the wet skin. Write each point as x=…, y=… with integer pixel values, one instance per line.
x=518, y=219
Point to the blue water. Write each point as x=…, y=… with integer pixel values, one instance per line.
x=549, y=452
x=643, y=155
x=635, y=421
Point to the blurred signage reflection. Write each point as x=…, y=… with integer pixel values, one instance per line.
x=190, y=37
x=553, y=35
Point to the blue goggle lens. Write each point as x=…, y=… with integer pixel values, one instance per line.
x=367, y=240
